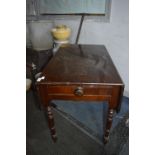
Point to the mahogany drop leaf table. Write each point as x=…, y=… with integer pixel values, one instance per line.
x=81, y=73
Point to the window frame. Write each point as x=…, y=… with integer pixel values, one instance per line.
x=38, y=16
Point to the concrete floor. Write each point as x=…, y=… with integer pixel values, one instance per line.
x=92, y=114
x=73, y=138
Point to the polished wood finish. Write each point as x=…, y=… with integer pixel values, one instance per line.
x=51, y=123
x=79, y=64
x=82, y=72
x=108, y=125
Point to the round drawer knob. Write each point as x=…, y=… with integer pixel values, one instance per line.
x=79, y=91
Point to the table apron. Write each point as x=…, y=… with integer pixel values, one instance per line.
x=80, y=98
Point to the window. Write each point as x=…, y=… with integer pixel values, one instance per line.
x=72, y=6
x=46, y=9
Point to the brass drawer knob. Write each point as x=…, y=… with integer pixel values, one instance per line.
x=79, y=91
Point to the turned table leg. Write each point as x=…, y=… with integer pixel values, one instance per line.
x=51, y=123
x=108, y=125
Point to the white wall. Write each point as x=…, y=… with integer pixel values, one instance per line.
x=114, y=35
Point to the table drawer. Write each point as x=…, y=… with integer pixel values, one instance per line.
x=79, y=90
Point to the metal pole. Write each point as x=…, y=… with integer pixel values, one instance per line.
x=79, y=30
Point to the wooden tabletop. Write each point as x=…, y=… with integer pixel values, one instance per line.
x=81, y=64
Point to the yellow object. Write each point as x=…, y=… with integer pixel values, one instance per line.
x=61, y=32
